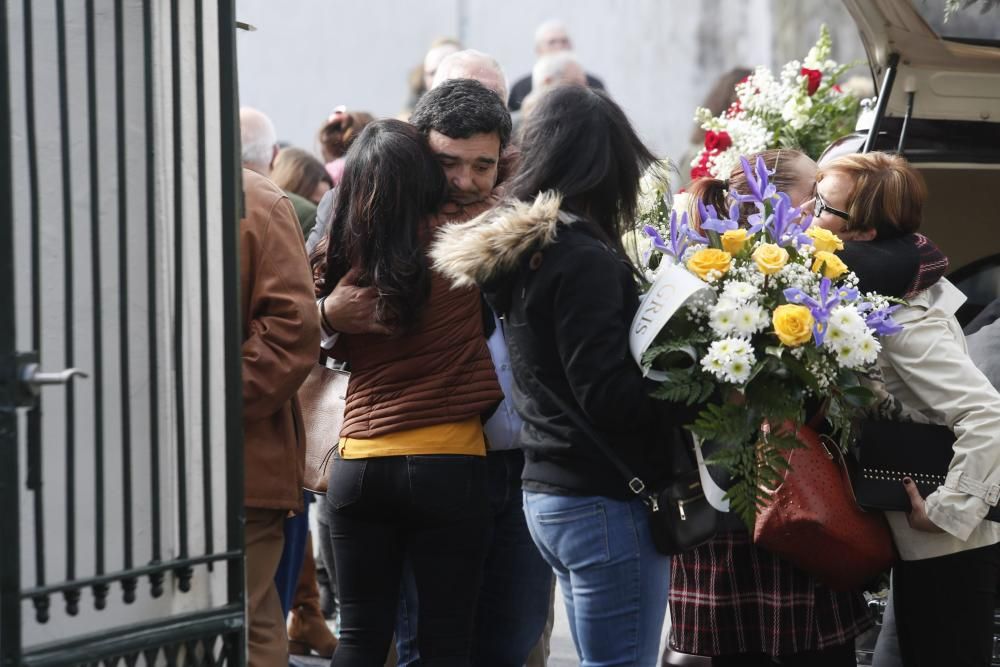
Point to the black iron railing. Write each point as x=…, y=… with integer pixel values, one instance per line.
x=145, y=368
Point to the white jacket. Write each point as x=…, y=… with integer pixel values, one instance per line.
x=928, y=370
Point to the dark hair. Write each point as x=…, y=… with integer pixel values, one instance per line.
x=391, y=184
x=461, y=108
x=339, y=131
x=715, y=191
x=578, y=142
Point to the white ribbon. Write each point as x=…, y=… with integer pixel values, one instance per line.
x=674, y=286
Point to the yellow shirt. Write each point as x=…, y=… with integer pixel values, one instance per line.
x=464, y=437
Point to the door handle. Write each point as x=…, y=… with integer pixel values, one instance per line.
x=33, y=379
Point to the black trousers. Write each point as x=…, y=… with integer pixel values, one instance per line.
x=842, y=655
x=432, y=510
x=944, y=608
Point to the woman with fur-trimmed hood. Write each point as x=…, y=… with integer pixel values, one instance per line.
x=551, y=264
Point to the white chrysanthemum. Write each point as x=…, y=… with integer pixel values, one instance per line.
x=739, y=291
x=856, y=351
x=738, y=369
x=749, y=319
x=868, y=348
x=730, y=360
x=848, y=318
x=722, y=318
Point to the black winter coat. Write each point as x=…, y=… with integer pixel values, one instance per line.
x=567, y=302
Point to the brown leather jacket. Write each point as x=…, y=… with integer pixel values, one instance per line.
x=439, y=372
x=280, y=343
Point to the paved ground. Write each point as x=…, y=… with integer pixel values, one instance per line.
x=563, y=653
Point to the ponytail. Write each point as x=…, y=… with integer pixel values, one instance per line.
x=709, y=191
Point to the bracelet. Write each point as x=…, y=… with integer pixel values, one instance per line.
x=330, y=329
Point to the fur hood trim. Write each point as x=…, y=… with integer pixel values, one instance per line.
x=492, y=244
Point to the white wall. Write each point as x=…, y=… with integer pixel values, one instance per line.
x=657, y=57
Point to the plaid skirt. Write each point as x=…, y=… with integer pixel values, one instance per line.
x=729, y=596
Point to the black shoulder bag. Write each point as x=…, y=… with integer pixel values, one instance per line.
x=679, y=514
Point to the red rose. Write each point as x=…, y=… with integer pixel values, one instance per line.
x=838, y=89
x=814, y=76
x=717, y=141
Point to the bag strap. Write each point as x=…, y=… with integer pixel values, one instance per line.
x=634, y=482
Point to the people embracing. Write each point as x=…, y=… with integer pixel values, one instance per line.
x=551, y=264
x=729, y=598
x=409, y=480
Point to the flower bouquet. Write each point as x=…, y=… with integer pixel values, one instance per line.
x=804, y=108
x=758, y=326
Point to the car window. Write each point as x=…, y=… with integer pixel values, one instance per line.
x=980, y=282
x=970, y=23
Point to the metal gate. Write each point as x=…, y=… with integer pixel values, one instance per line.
x=121, y=489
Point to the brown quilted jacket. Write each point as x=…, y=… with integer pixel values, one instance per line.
x=439, y=372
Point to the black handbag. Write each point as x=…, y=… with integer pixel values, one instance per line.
x=679, y=514
x=890, y=450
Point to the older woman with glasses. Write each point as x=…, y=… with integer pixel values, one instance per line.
x=945, y=586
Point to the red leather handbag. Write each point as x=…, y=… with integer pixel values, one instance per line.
x=813, y=521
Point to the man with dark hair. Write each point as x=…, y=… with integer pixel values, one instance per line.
x=468, y=127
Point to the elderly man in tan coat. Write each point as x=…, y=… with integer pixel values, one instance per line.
x=280, y=345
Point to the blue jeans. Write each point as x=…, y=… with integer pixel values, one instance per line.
x=613, y=579
x=514, y=598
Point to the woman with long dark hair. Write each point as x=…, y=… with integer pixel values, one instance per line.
x=552, y=264
x=409, y=480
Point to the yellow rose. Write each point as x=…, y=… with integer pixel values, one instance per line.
x=831, y=264
x=793, y=324
x=709, y=259
x=770, y=258
x=734, y=240
x=824, y=239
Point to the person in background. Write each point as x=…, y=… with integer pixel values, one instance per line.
x=299, y=173
x=258, y=141
x=421, y=77
x=280, y=338
x=555, y=69
x=409, y=480
x=550, y=37
x=259, y=154
x=336, y=135
x=476, y=65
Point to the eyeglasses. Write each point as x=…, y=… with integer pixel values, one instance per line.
x=821, y=206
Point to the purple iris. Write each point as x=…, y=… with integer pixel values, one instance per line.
x=681, y=235
x=761, y=191
x=822, y=307
x=881, y=322
x=711, y=220
x=787, y=223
